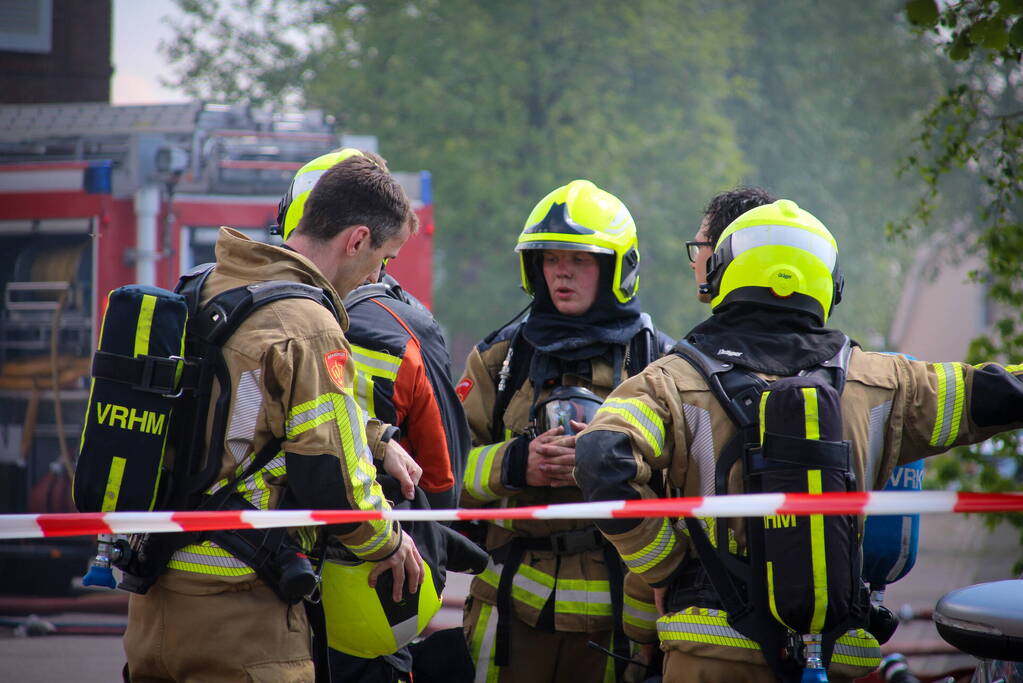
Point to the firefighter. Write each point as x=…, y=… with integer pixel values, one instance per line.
x=552, y=586
x=773, y=280
x=403, y=377
x=208, y=617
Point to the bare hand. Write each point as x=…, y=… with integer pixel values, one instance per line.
x=400, y=465
x=551, y=463
x=406, y=563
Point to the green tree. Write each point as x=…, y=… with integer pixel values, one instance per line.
x=503, y=102
x=834, y=92
x=972, y=137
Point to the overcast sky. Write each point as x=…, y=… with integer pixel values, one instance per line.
x=138, y=29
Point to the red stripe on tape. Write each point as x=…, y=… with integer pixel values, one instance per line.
x=851, y=503
x=988, y=502
x=501, y=513
x=210, y=520
x=72, y=524
x=653, y=507
x=345, y=516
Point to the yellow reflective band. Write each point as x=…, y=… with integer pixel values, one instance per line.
x=702, y=626
x=950, y=396
x=530, y=586
x=579, y=596
x=476, y=481
x=813, y=425
x=376, y=363
x=857, y=648
x=640, y=416
x=639, y=613
x=1014, y=368
x=113, y=489
x=957, y=407
x=362, y=388
x=820, y=564
x=145, y=325
x=207, y=558
x=653, y=553
x=482, y=646
x=763, y=411
x=770, y=597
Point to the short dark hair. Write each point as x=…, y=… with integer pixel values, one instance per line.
x=727, y=206
x=356, y=191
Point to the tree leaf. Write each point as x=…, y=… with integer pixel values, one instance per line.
x=922, y=13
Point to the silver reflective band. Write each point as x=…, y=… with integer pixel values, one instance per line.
x=786, y=236
x=305, y=182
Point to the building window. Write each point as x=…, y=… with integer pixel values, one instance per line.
x=26, y=25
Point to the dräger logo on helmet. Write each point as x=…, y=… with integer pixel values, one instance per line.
x=729, y=352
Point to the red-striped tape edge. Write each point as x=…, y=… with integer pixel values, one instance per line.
x=753, y=505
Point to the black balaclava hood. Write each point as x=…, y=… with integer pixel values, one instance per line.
x=772, y=340
x=608, y=321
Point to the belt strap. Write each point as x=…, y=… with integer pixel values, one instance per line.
x=565, y=542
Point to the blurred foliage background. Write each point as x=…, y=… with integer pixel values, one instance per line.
x=894, y=122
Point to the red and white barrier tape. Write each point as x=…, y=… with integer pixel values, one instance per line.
x=750, y=505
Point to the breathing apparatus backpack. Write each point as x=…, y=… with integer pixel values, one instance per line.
x=798, y=588
x=143, y=444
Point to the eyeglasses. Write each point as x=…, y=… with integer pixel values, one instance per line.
x=693, y=249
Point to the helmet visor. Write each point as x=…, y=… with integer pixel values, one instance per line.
x=567, y=246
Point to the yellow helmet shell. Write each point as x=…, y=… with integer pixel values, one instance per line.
x=293, y=204
x=777, y=255
x=366, y=622
x=581, y=216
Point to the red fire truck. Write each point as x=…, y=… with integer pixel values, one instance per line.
x=93, y=197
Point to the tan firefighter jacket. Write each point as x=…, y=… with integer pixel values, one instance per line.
x=666, y=419
x=578, y=582
x=291, y=374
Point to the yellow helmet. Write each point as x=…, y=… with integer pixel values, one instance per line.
x=583, y=217
x=292, y=205
x=777, y=255
x=366, y=622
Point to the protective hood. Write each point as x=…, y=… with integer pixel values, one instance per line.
x=778, y=342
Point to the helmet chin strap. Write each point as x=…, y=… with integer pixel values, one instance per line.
x=704, y=288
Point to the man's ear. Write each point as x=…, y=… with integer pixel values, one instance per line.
x=355, y=237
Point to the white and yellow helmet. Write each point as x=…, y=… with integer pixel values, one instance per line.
x=581, y=216
x=777, y=255
x=292, y=205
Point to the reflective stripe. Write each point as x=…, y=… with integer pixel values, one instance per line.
x=246, y=405
x=818, y=558
x=701, y=447
x=653, y=553
x=579, y=596
x=878, y=422
x=350, y=421
x=113, y=489
x=950, y=395
x=482, y=646
x=1014, y=368
x=144, y=326
x=812, y=421
x=785, y=236
x=208, y=558
x=370, y=364
x=857, y=648
x=639, y=415
x=639, y=613
x=478, y=469
x=530, y=586
x=763, y=411
x=376, y=363
x=701, y=625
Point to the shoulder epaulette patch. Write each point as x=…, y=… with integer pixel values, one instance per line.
x=335, y=361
